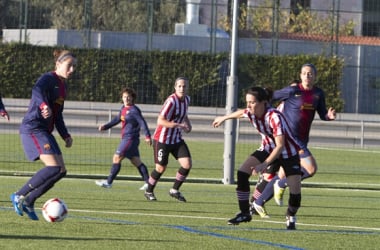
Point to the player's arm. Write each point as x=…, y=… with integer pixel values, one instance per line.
x=220, y=119
x=162, y=121
x=3, y=112
x=142, y=122
x=187, y=124
x=39, y=95
x=116, y=120
x=324, y=114
x=280, y=142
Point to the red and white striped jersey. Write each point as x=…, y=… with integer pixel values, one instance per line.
x=272, y=124
x=174, y=110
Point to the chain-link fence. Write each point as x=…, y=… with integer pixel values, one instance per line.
x=346, y=29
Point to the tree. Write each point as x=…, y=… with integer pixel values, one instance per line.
x=261, y=19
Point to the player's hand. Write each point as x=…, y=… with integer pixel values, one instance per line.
x=4, y=114
x=148, y=141
x=331, y=114
x=100, y=128
x=46, y=112
x=259, y=168
x=69, y=142
x=217, y=121
x=184, y=127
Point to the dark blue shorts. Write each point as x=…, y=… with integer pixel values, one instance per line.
x=128, y=148
x=39, y=143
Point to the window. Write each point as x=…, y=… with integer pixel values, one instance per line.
x=371, y=18
x=295, y=4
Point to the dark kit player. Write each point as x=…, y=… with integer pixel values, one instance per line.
x=43, y=115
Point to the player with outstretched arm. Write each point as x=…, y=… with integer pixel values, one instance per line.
x=131, y=123
x=277, y=145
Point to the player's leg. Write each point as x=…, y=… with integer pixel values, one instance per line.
x=264, y=192
x=124, y=146
x=143, y=170
x=134, y=156
x=308, y=169
x=293, y=175
x=182, y=154
x=35, y=148
x=28, y=205
x=161, y=158
x=243, y=186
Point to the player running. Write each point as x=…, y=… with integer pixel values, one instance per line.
x=277, y=145
x=300, y=103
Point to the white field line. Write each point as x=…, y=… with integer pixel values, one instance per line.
x=215, y=218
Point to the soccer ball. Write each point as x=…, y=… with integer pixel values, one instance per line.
x=54, y=210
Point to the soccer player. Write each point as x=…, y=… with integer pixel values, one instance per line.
x=43, y=115
x=3, y=112
x=167, y=139
x=300, y=103
x=131, y=122
x=277, y=145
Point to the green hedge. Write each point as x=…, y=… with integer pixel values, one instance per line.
x=101, y=73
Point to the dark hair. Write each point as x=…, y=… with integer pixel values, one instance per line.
x=181, y=78
x=130, y=91
x=311, y=66
x=261, y=94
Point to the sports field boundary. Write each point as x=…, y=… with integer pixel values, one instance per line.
x=347, y=186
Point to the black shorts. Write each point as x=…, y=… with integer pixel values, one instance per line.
x=290, y=165
x=162, y=152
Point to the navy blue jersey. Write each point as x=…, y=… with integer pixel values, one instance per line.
x=131, y=122
x=49, y=90
x=300, y=106
x=2, y=108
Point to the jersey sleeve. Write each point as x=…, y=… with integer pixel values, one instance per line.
x=2, y=108
x=282, y=94
x=140, y=119
x=40, y=91
x=60, y=124
x=321, y=108
x=116, y=120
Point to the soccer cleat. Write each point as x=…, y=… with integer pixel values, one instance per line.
x=240, y=217
x=17, y=201
x=150, y=196
x=260, y=211
x=290, y=222
x=29, y=210
x=278, y=193
x=144, y=187
x=103, y=183
x=177, y=195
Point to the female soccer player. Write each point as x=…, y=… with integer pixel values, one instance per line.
x=45, y=113
x=3, y=112
x=277, y=145
x=167, y=140
x=132, y=121
x=300, y=103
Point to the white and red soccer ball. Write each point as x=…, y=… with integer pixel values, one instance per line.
x=54, y=210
